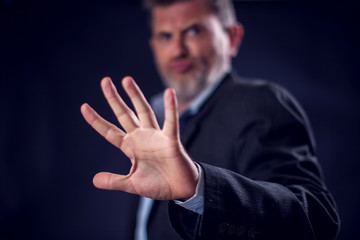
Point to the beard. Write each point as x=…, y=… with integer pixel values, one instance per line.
x=187, y=87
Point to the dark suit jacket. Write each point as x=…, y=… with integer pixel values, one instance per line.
x=262, y=178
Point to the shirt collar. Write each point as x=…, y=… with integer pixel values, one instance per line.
x=157, y=102
x=201, y=98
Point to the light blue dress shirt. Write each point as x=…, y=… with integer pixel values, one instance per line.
x=196, y=202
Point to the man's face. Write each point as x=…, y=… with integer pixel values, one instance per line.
x=190, y=46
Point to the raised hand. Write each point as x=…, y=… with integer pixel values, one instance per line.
x=161, y=168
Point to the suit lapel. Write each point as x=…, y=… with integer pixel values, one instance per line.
x=193, y=123
x=187, y=135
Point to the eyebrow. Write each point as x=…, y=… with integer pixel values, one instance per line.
x=187, y=28
x=197, y=25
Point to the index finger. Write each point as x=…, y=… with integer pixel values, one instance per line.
x=106, y=129
x=123, y=113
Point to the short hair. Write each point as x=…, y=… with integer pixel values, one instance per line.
x=223, y=9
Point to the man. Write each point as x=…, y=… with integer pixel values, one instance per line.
x=245, y=166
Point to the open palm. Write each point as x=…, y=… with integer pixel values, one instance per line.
x=161, y=169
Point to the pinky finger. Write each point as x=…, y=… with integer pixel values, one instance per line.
x=171, y=123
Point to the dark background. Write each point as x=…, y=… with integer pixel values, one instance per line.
x=53, y=55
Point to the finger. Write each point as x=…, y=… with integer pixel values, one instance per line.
x=111, y=181
x=123, y=113
x=109, y=131
x=144, y=112
x=171, y=123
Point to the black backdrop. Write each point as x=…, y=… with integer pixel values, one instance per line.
x=53, y=55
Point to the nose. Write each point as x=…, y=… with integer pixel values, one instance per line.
x=179, y=47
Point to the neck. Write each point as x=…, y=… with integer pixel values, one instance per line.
x=182, y=106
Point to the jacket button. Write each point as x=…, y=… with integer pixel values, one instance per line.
x=231, y=230
x=222, y=227
x=241, y=231
x=253, y=233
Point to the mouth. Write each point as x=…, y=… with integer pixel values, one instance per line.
x=180, y=66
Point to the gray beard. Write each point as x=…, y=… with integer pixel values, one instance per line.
x=186, y=90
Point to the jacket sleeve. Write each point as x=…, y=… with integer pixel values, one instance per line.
x=280, y=193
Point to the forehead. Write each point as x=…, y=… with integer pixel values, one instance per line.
x=180, y=14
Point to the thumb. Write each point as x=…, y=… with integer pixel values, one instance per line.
x=111, y=181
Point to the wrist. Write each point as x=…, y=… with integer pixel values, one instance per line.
x=196, y=202
x=193, y=182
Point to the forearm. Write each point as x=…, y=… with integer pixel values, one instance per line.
x=236, y=206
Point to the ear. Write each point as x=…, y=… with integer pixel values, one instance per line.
x=236, y=34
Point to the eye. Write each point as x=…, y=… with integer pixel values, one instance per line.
x=193, y=30
x=163, y=36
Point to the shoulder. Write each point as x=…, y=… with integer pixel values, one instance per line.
x=259, y=97
x=256, y=91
